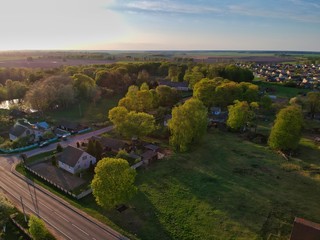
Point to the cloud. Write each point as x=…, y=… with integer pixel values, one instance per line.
x=166, y=6
x=289, y=13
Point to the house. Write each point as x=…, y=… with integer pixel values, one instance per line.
x=305, y=230
x=74, y=160
x=23, y=128
x=181, y=86
x=69, y=126
x=111, y=144
x=152, y=147
x=149, y=156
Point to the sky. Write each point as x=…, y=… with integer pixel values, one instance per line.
x=160, y=25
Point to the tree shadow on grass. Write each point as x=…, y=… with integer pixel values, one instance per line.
x=139, y=219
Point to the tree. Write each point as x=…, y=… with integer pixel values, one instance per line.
x=5, y=209
x=138, y=124
x=239, y=115
x=204, y=91
x=117, y=116
x=286, y=132
x=84, y=85
x=167, y=96
x=226, y=93
x=188, y=124
x=313, y=103
x=37, y=228
x=113, y=182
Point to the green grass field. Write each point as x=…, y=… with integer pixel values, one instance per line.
x=282, y=91
x=225, y=188
x=86, y=112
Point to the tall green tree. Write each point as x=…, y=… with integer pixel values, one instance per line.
x=189, y=122
x=84, y=85
x=138, y=124
x=204, y=91
x=240, y=114
x=313, y=103
x=113, y=182
x=286, y=132
x=37, y=228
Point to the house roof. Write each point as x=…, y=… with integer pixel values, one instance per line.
x=173, y=84
x=71, y=155
x=17, y=130
x=148, y=155
x=151, y=147
x=112, y=143
x=69, y=125
x=304, y=229
x=43, y=125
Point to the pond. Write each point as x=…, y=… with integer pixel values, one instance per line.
x=9, y=103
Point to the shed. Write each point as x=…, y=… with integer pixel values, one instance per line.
x=305, y=230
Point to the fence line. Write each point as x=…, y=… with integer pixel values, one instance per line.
x=79, y=196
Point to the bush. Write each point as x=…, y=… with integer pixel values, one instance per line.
x=59, y=148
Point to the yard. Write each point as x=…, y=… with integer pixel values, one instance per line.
x=281, y=90
x=225, y=188
x=86, y=112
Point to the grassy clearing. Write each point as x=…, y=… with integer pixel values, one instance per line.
x=282, y=91
x=40, y=157
x=226, y=188
x=86, y=112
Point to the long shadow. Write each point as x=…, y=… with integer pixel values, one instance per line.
x=139, y=219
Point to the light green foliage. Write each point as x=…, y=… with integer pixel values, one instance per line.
x=37, y=228
x=84, y=85
x=193, y=76
x=227, y=93
x=204, y=91
x=113, y=182
x=122, y=154
x=5, y=209
x=313, y=102
x=132, y=124
x=174, y=73
x=138, y=124
x=249, y=91
x=167, y=96
x=143, y=76
x=239, y=115
x=117, y=116
x=188, y=124
x=138, y=100
x=286, y=132
x=144, y=86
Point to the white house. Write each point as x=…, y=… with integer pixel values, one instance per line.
x=74, y=160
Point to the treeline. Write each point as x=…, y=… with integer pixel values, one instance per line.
x=61, y=87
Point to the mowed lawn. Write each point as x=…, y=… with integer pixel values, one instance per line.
x=226, y=188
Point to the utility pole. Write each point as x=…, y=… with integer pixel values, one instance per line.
x=24, y=213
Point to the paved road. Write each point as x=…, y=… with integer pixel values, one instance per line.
x=72, y=140
x=66, y=221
